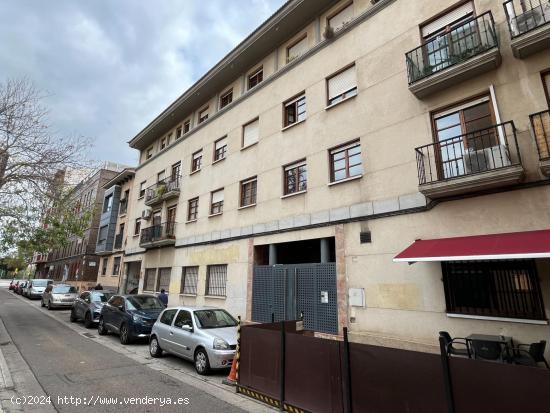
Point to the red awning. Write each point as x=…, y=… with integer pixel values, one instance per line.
x=512, y=245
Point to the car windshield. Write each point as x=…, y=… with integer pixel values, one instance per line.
x=101, y=297
x=65, y=289
x=214, y=319
x=144, y=303
x=39, y=283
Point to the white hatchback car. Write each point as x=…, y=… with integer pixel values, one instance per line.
x=205, y=335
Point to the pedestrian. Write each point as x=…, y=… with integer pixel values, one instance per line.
x=163, y=297
x=98, y=287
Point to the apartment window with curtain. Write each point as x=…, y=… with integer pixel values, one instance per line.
x=196, y=162
x=220, y=149
x=203, y=115
x=341, y=18
x=216, y=280
x=251, y=133
x=186, y=126
x=137, y=226
x=163, y=281
x=226, y=98
x=216, y=202
x=192, y=209
x=116, y=266
x=248, y=192
x=189, y=280
x=345, y=161
x=150, y=279
x=142, y=189
x=297, y=49
x=342, y=85
x=295, y=177
x=255, y=78
x=294, y=110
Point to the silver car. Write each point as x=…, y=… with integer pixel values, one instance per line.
x=59, y=295
x=205, y=335
x=36, y=287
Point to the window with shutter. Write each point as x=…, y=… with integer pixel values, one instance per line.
x=251, y=133
x=216, y=204
x=447, y=19
x=197, y=161
x=342, y=18
x=297, y=49
x=149, y=282
x=342, y=85
x=220, y=149
x=163, y=282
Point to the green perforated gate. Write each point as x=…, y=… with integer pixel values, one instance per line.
x=285, y=292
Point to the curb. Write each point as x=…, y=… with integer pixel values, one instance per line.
x=5, y=376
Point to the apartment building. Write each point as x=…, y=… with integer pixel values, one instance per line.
x=113, y=230
x=77, y=263
x=371, y=164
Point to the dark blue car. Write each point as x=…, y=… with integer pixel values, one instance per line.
x=129, y=316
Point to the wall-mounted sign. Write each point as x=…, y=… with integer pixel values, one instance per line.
x=324, y=297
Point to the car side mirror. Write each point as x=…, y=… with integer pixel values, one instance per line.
x=187, y=328
x=121, y=307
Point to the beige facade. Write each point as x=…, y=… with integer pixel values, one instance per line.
x=405, y=305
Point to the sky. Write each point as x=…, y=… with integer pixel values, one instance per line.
x=109, y=67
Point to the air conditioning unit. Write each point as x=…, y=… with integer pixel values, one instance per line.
x=146, y=214
x=486, y=159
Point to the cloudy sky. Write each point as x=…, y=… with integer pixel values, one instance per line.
x=108, y=67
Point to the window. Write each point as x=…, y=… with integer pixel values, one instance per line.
x=203, y=115
x=192, y=209
x=295, y=110
x=171, y=215
x=108, y=203
x=296, y=49
x=295, y=177
x=255, y=78
x=216, y=203
x=183, y=319
x=226, y=98
x=179, y=132
x=546, y=84
x=104, y=266
x=149, y=153
x=163, y=143
x=116, y=266
x=251, y=133
x=160, y=176
x=342, y=18
x=186, y=126
x=137, y=226
x=149, y=281
x=346, y=161
x=142, y=189
x=168, y=316
x=163, y=282
x=102, y=236
x=196, y=162
x=220, y=149
x=216, y=279
x=342, y=85
x=248, y=192
x=493, y=289
x=189, y=280
x=176, y=170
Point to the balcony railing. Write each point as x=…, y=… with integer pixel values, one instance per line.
x=477, y=152
x=158, y=234
x=123, y=207
x=162, y=189
x=526, y=15
x=118, y=241
x=461, y=43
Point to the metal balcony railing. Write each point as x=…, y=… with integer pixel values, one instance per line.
x=461, y=43
x=541, y=127
x=118, y=241
x=473, y=153
x=172, y=183
x=526, y=15
x=161, y=232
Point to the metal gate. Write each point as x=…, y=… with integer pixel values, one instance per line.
x=285, y=292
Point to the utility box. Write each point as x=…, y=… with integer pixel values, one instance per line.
x=357, y=297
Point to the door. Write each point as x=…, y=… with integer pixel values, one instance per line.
x=181, y=339
x=170, y=220
x=163, y=329
x=156, y=225
x=132, y=276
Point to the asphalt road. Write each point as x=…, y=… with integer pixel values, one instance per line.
x=67, y=364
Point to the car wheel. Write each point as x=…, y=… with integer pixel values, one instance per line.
x=101, y=329
x=88, y=320
x=72, y=317
x=154, y=347
x=50, y=305
x=202, y=365
x=124, y=334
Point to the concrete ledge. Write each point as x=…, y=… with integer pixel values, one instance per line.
x=531, y=42
x=6, y=382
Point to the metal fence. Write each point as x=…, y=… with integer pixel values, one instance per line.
x=172, y=183
x=524, y=16
x=158, y=233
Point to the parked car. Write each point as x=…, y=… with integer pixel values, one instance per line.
x=25, y=289
x=129, y=316
x=205, y=335
x=13, y=284
x=58, y=295
x=36, y=287
x=88, y=306
x=19, y=289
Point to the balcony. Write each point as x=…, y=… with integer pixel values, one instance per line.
x=163, y=190
x=158, y=235
x=540, y=122
x=528, y=22
x=477, y=161
x=465, y=51
x=118, y=241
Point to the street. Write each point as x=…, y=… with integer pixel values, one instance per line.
x=70, y=360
